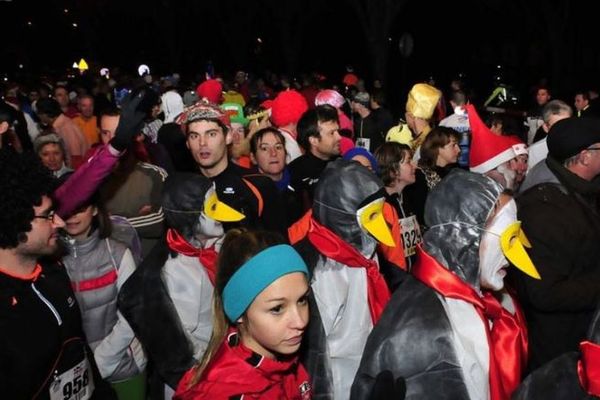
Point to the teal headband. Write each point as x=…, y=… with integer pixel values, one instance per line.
x=256, y=274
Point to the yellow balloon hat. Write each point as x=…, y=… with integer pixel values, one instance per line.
x=422, y=100
x=400, y=134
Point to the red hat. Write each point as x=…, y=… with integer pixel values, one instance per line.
x=488, y=150
x=350, y=79
x=287, y=108
x=210, y=89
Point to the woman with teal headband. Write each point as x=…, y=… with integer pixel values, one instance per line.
x=260, y=309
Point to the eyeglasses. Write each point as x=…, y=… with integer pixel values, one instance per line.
x=50, y=216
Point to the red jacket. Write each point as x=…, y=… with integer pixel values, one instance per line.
x=237, y=370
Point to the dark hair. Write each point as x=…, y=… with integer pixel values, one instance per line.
x=49, y=106
x=389, y=156
x=23, y=182
x=308, y=125
x=7, y=113
x=101, y=221
x=458, y=97
x=109, y=112
x=583, y=93
x=85, y=96
x=378, y=96
x=437, y=138
x=257, y=137
x=238, y=247
x=543, y=87
x=60, y=87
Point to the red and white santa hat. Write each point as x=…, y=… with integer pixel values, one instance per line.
x=488, y=150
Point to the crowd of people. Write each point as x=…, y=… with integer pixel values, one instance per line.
x=252, y=240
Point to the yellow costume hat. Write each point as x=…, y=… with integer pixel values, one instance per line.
x=422, y=100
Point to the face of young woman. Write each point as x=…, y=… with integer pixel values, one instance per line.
x=275, y=321
x=406, y=172
x=79, y=224
x=448, y=154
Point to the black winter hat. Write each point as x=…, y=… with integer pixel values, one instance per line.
x=569, y=136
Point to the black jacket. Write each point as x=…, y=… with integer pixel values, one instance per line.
x=253, y=195
x=40, y=334
x=305, y=172
x=560, y=217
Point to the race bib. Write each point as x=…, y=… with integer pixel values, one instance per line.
x=76, y=383
x=365, y=143
x=411, y=234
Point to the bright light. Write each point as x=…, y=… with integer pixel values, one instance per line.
x=66, y=10
x=20, y=66
x=259, y=40
x=29, y=23
x=74, y=25
x=143, y=69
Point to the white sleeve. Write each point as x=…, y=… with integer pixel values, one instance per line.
x=191, y=292
x=120, y=340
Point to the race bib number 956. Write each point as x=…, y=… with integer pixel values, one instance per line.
x=75, y=384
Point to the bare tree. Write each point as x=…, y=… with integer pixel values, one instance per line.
x=377, y=18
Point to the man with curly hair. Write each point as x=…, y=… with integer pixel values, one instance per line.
x=43, y=352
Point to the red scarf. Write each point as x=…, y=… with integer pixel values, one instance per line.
x=588, y=368
x=331, y=246
x=207, y=257
x=508, y=336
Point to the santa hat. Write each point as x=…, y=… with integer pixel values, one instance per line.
x=287, y=108
x=331, y=97
x=210, y=89
x=422, y=100
x=488, y=150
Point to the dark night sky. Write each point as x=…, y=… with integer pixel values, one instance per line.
x=182, y=35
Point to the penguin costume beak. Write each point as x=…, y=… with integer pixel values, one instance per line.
x=220, y=211
x=370, y=218
x=513, y=242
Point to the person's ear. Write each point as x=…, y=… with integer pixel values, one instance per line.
x=313, y=140
x=228, y=137
x=253, y=159
x=95, y=212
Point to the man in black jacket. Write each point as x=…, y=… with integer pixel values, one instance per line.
x=561, y=217
x=207, y=137
x=43, y=351
x=319, y=136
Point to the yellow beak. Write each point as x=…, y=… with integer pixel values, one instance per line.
x=220, y=211
x=370, y=218
x=513, y=241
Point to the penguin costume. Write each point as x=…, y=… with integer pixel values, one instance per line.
x=572, y=376
x=441, y=333
x=348, y=291
x=168, y=299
